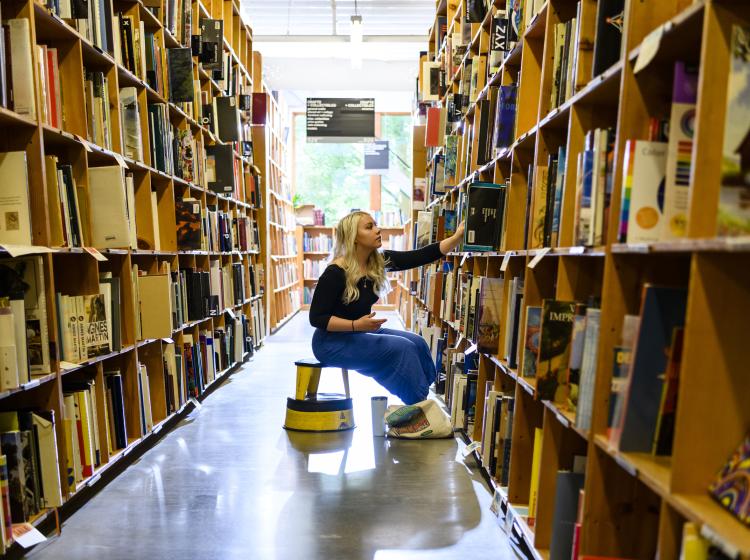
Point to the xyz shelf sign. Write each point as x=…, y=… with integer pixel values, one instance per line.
x=340, y=119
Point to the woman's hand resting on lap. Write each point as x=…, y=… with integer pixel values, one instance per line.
x=368, y=323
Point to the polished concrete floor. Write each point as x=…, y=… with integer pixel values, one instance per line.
x=229, y=482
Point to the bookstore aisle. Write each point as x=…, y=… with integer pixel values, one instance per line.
x=229, y=482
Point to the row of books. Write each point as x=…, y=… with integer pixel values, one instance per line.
x=29, y=468
x=282, y=214
x=307, y=295
x=507, y=26
x=285, y=273
x=284, y=243
x=313, y=268
x=495, y=132
x=319, y=243
x=167, y=300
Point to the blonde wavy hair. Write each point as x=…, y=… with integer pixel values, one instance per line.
x=345, y=251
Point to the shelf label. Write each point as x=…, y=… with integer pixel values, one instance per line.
x=93, y=480
x=471, y=448
x=168, y=340
x=539, y=256
x=94, y=253
x=27, y=535
x=84, y=142
x=626, y=465
x=20, y=250
x=120, y=160
x=506, y=260
x=195, y=402
x=649, y=49
x=708, y=533
x=30, y=384
x=577, y=250
x=562, y=419
x=67, y=365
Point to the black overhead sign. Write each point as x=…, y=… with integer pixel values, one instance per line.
x=340, y=119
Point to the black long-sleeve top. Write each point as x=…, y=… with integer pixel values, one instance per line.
x=327, y=298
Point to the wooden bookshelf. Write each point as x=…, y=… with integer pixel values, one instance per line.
x=319, y=239
x=76, y=270
x=635, y=504
x=278, y=231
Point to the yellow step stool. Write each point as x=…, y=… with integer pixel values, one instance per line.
x=310, y=411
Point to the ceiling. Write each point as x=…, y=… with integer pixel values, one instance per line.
x=306, y=48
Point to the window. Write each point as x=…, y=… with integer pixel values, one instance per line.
x=333, y=178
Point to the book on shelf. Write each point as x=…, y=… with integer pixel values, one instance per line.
x=212, y=47
x=568, y=486
x=131, y=123
x=504, y=131
x=180, y=72
x=220, y=168
x=108, y=197
x=227, y=118
x=622, y=357
x=610, y=17
x=730, y=485
x=734, y=213
x=667, y=416
x=680, y=150
x=485, y=208
x=99, y=121
x=536, y=464
x=641, y=209
x=15, y=212
x=18, y=34
x=531, y=341
x=490, y=311
x=575, y=355
x=588, y=365
x=556, y=328
x=662, y=311
x=23, y=281
x=83, y=326
x=116, y=409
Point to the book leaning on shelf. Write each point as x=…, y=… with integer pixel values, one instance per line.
x=24, y=343
x=28, y=443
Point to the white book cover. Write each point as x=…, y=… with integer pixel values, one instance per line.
x=19, y=326
x=155, y=220
x=107, y=200
x=645, y=170
x=49, y=461
x=8, y=354
x=146, y=397
x=15, y=216
x=24, y=102
x=71, y=433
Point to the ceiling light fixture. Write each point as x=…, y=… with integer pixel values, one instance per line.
x=355, y=37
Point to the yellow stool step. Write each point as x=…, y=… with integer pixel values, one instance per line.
x=310, y=411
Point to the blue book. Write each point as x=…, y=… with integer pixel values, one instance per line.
x=505, y=117
x=559, y=184
x=586, y=212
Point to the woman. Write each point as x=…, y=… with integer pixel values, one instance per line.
x=347, y=334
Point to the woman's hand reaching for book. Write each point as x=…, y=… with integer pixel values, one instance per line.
x=448, y=244
x=367, y=323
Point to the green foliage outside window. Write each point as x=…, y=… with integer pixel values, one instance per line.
x=332, y=176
